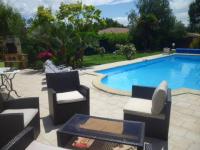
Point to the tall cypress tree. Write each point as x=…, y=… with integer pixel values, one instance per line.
x=11, y=22
x=152, y=28
x=194, y=14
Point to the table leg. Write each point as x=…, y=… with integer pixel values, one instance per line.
x=11, y=89
x=63, y=139
x=3, y=82
x=141, y=147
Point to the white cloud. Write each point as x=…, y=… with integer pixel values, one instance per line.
x=180, y=9
x=122, y=20
x=104, y=2
x=29, y=7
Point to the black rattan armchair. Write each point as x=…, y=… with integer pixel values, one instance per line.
x=21, y=140
x=25, y=140
x=66, y=82
x=154, y=127
x=11, y=123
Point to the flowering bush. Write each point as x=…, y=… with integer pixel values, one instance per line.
x=128, y=50
x=44, y=55
x=101, y=51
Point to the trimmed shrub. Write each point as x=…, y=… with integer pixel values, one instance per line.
x=109, y=40
x=90, y=51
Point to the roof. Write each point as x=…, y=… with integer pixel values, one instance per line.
x=114, y=30
x=194, y=35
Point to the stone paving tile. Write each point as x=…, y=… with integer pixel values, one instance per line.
x=177, y=131
x=193, y=136
x=180, y=142
x=184, y=132
x=194, y=146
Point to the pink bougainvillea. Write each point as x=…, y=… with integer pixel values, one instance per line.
x=44, y=55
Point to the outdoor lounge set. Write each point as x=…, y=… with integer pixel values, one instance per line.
x=152, y=106
x=66, y=96
x=147, y=114
x=15, y=115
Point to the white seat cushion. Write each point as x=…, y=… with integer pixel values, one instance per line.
x=140, y=107
x=69, y=97
x=159, y=97
x=28, y=114
x=39, y=146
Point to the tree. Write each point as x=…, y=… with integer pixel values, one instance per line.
x=81, y=17
x=151, y=28
x=68, y=32
x=109, y=22
x=147, y=26
x=133, y=19
x=178, y=31
x=194, y=14
x=11, y=22
x=41, y=24
x=43, y=16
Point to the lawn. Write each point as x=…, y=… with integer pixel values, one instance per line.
x=2, y=64
x=109, y=58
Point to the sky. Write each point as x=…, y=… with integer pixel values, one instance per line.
x=116, y=9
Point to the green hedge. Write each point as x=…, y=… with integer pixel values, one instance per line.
x=109, y=40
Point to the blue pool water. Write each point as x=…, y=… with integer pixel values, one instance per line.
x=181, y=71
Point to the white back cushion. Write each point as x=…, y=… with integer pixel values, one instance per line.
x=158, y=98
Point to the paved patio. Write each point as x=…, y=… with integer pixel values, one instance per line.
x=185, y=115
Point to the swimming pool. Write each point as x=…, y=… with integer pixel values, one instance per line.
x=180, y=71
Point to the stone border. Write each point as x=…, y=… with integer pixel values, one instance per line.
x=127, y=62
x=97, y=81
x=99, y=85
x=185, y=91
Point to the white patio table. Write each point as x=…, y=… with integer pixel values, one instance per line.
x=7, y=75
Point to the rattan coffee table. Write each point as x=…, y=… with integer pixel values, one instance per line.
x=103, y=129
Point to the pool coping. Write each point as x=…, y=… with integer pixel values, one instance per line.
x=99, y=85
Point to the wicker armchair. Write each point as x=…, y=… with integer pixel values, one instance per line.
x=62, y=90
x=21, y=140
x=25, y=140
x=156, y=126
x=17, y=114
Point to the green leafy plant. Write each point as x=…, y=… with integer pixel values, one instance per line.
x=195, y=43
x=128, y=50
x=154, y=26
x=194, y=15
x=68, y=33
x=38, y=64
x=12, y=23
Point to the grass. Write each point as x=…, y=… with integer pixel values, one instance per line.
x=2, y=64
x=109, y=58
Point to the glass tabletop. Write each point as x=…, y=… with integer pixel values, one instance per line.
x=119, y=131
